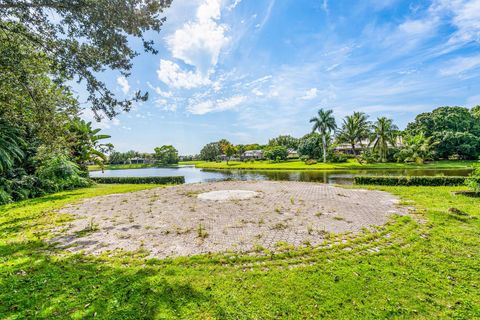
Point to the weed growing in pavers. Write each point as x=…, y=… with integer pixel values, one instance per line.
x=131, y=219
x=339, y=218
x=201, y=232
x=318, y=214
x=292, y=200
x=279, y=226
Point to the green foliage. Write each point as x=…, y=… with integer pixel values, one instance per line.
x=410, y=180
x=276, y=153
x=384, y=136
x=354, y=129
x=325, y=124
x=210, y=152
x=455, y=130
x=58, y=173
x=140, y=180
x=85, y=144
x=473, y=181
x=82, y=40
x=10, y=145
x=418, y=148
x=286, y=141
x=310, y=146
x=166, y=155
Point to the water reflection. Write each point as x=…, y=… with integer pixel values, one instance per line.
x=193, y=175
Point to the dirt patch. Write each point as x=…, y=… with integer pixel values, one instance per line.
x=175, y=221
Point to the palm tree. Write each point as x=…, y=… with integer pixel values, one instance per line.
x=384, y=134
x=418, y=148
x=87, y=146
x=355, y=128
x=10, y=145
x=325, y=124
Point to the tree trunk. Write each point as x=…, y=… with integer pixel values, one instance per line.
x=324, y=141
x=353, y=148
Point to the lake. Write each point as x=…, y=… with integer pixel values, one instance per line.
x=194, y=175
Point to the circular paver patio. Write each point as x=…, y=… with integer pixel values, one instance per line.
x=181, y=220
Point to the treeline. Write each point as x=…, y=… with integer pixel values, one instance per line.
x=444, y=133
x=45, y=146
x=164, y=155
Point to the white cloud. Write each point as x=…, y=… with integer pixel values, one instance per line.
x=234, y=5
x=325, y=5
x=257, y=92
x=464, y=15
x=171, y=74
x=208, y=106
x=198, y=43
x=460, y=65
x=310, y=94
x=123, y=82
x=88, y=115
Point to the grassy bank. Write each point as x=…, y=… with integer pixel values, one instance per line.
x=424, y=266
x=349, y=165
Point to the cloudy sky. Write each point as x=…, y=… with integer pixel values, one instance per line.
x=248, y=70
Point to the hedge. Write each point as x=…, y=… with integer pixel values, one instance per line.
x=410, y=180
x=140, y=180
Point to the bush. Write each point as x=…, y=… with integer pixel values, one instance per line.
x=410, y=180
x=310, y=162
x=140, y=180
x=473, y=181
x=337, y=157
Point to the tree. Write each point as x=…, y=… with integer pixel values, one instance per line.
x=210, y=152
x=476, y=112
x=276, y=153
x=10, y=145
x=229, y=151
x=85, y=38
x=86, y=144
x=325, y=124
x=310, y=146
x=166, y=155
x=456, y=131
x=354, y=129
x=286, y=141
x=418, y=148
x=384, y=134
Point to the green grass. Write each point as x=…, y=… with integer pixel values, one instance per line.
x=350, y=164
x=423, y=266
x=121, y=166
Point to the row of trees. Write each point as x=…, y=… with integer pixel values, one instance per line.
x=164, y=155
x=446, y=132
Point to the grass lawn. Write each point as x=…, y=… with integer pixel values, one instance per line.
x=350, y=164
x=423, y=266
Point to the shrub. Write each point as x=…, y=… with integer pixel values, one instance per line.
x=140, y=180
x=310, y=162
x=473, y=181
x=410, y=180
x=337, y=157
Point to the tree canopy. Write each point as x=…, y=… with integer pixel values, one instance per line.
x=81, y=38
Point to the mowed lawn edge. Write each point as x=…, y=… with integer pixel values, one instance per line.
x=421, y=266
x=351, y=164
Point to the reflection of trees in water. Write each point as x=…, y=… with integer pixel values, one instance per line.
x=335, y=177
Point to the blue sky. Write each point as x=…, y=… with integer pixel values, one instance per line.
x=249, y=70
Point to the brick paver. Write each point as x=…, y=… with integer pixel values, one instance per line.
x=175, y=222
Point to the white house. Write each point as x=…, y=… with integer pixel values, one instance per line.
x=253, y=154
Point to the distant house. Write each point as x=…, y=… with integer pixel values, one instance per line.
x=346, y=148
x=253, y=154
x=292, y=153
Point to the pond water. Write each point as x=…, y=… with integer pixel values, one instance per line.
x=193, y=175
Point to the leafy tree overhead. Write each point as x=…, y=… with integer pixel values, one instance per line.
x=384, y=135
x=354, y=129
x=325, y=124
x=85, y=37
x=166, y=155
x=456, y=131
